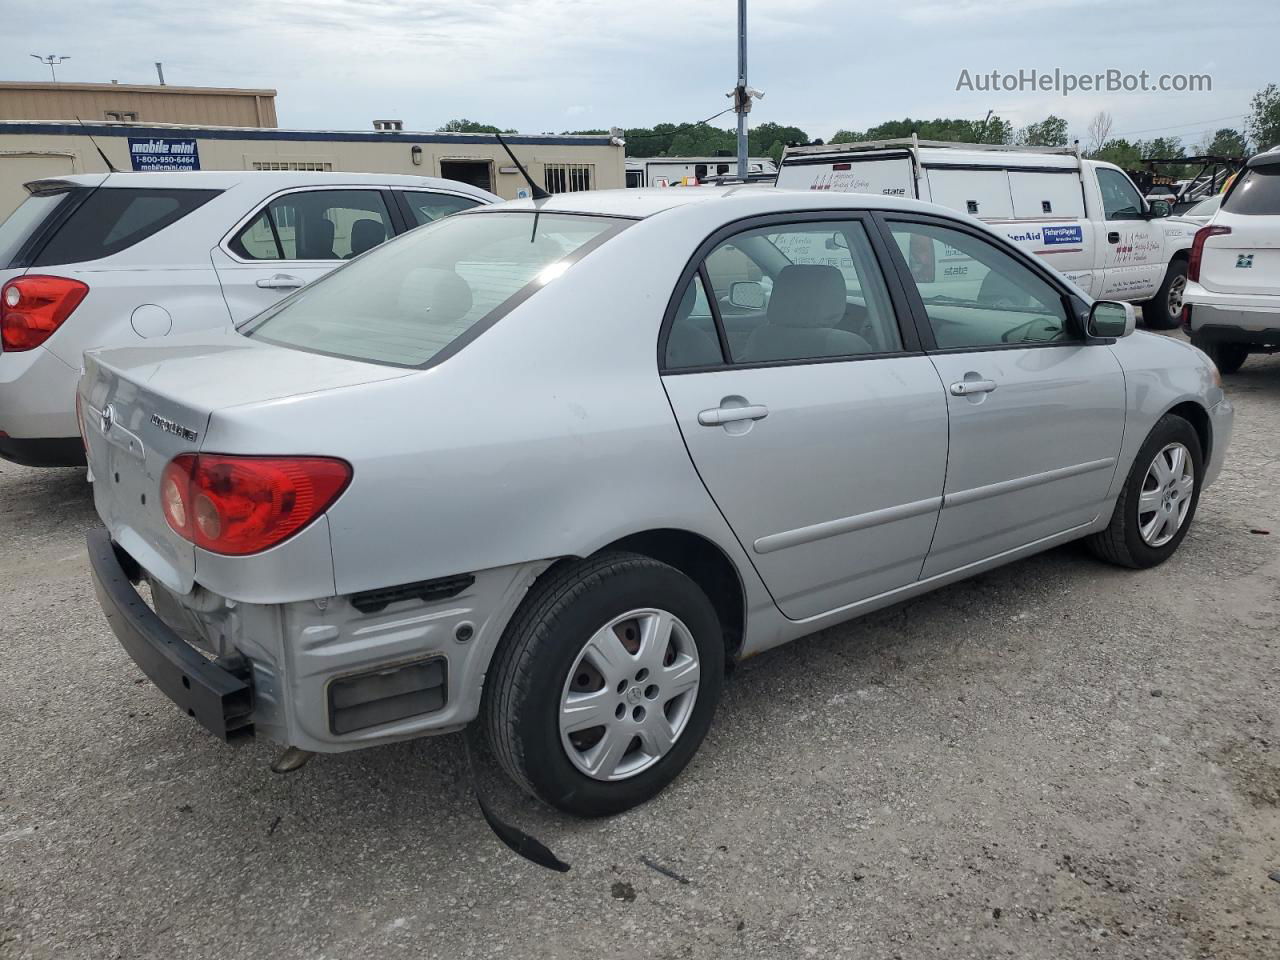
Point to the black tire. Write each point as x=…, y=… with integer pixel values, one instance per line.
x=522, y=695
x=1156, y=314
x=1227, y=357
x=1121, y=542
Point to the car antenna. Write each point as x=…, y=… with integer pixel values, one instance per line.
x=111, y=167
x=535, y=191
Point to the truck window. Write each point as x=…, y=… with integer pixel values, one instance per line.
x=1120, y=200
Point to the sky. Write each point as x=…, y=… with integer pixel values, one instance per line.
x=543, y=66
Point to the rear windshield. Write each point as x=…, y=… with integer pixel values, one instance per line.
x=113, y=219
x=1257, y=193
x=22, y=224
x=405, y=302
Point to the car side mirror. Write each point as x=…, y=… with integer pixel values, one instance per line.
x=747, y=294
x=1159, y=209
x=1111, y=319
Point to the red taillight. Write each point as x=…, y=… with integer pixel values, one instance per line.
x=33, y=307
x=1197, y=250
x=240, y=505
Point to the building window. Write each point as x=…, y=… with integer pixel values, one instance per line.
x=123, y=116
x=317, y=166
x=567, y=177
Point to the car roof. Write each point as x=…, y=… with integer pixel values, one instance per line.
x=266, y=179
x=747, y=199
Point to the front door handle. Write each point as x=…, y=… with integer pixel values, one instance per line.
x=967, y=388
x=1113, y=237
x=719, y=416
x=281, y=281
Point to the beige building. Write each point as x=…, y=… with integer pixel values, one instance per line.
x=30, y=150
x=137, y=103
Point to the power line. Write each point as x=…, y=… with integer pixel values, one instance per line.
x=1175, y=126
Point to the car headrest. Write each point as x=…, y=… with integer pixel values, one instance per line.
x=366, y=234
x=807, y=295
x=444, y=294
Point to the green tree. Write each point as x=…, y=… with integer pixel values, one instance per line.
x=1122, y=153
x=1049, y=132
x=1264, y=117
x=1226, y=142
x=471, y=126
x=994, y=130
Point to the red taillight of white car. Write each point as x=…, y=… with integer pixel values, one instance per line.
x=1197, y=249
x=241, y=505
x=33, y=307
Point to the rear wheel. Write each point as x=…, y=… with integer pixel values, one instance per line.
x=605, y=683
x=1156, y=506
x=1227, y=357
x=1164, y=310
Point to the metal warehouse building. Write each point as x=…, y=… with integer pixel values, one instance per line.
x=32, y=149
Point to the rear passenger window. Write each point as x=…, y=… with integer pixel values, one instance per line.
x=113, y=219
x=429, y=207
x=803, y=291
x=316, y=225
x=692, y=340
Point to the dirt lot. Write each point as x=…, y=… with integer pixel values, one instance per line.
x=1058, y=759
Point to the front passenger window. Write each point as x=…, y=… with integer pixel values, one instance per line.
x=975, y=294
x=1120, y=200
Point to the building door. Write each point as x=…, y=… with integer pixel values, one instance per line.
x=478, y=173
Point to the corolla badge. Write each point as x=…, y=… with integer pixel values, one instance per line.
x=106, y=418
x=177, y=429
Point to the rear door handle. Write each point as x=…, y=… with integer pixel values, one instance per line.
x=719, y=416
x=967, y=388
x=1113, y=237
x=281, y=281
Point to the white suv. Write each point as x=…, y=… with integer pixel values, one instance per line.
x=1233, y=289
x=113, y=259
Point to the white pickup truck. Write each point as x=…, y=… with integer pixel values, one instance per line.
x=1084, y=217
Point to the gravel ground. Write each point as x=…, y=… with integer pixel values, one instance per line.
x=1057, y=759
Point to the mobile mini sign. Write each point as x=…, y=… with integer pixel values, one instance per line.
x=163, y=153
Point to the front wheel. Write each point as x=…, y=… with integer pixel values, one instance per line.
x=1158, y=501
x=1227, y=357
x=1164, y=310
x=605, y=683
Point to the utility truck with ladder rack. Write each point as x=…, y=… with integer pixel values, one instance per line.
x=1083, y=217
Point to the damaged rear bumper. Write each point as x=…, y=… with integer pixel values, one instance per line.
x=219, y=695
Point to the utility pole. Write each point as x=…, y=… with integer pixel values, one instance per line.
x=51, y=61
x=742, y=94
x=742, y=100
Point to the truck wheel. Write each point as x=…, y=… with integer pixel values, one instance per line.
x=1164, y=310
x=605, y=683
x=1156, y=506
x=1227, y=357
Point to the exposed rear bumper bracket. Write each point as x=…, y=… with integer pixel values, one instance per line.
x=218, y=694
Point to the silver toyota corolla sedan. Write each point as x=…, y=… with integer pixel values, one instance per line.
x=550, y=465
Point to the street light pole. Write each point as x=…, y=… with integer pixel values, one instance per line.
x=51, y=61
x=742, y=100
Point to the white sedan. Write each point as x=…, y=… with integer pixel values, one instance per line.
x=549, y=465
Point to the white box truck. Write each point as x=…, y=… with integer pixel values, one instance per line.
x=1084, y=217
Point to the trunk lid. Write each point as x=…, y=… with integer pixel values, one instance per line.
x=143, y=406
x=1246, y=260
